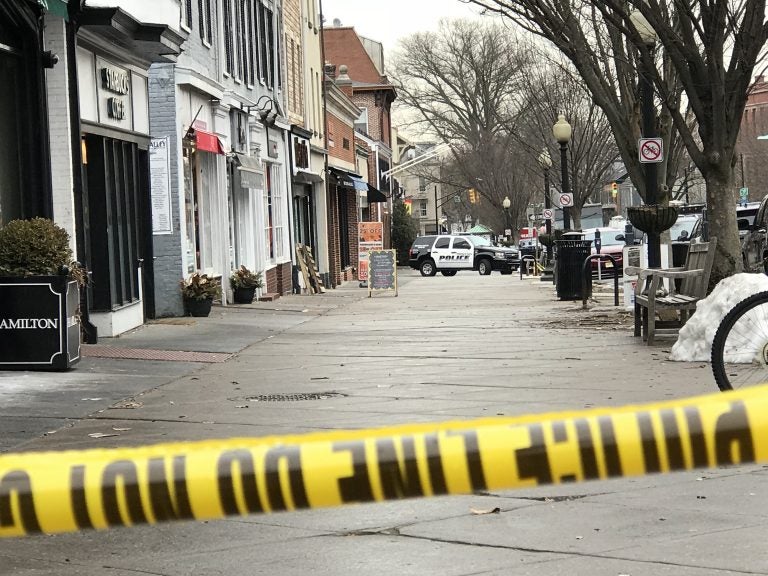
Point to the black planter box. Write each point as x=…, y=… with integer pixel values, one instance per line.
x=39, y=323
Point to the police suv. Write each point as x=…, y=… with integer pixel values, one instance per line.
x=450, y=253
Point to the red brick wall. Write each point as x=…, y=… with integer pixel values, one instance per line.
x=342, y=46
x=278, y=279
x=751, y=152
x=337, y=131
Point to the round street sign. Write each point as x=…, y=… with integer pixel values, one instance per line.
x=547, y=214
x=651, y=150
x=566, y=200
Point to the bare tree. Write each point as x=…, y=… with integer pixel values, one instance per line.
x=709, y=49
x=554, y=89
x=464, y=83
x=481, y=89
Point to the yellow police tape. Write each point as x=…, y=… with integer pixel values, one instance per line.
x=54, y=492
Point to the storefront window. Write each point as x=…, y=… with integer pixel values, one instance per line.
x=273, y=213
x=190, y=210
x=10, y=161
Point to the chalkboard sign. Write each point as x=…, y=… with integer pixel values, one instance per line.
x=382, y=271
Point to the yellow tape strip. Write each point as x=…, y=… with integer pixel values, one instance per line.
x=68, y=491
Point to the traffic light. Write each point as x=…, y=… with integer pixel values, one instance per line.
x=614, y=189
x=474, y=197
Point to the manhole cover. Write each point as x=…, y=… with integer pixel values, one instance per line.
x=297, y=397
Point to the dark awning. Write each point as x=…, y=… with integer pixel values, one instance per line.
x=343, y=179
x=375, y=195
x=307, y=178
x=152, y=42
x=208, y=142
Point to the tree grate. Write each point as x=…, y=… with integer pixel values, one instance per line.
x=297, y=397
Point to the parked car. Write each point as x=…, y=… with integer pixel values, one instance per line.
x=752, y=221
x=753, y=234
x=612, y=243
x=685, y=226
x=449, y=253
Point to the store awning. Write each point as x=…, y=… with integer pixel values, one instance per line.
x=208, y=142
x=245, y=162
x=343, y=179
x=375, y=195
x=307, y=178
x=57, y=7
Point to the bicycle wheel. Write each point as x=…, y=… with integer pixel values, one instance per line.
x=740, y=346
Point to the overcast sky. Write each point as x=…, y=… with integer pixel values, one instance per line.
x=387, y=21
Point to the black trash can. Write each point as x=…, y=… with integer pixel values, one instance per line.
x=572, y=251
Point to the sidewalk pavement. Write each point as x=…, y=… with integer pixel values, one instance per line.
x=444, y=349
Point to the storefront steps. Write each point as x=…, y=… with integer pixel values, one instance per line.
x=269, y=297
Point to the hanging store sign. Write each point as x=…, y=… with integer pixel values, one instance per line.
x=160, y=170
x=300, y=148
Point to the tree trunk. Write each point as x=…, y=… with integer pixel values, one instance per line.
x=575, y=218
x=721, y=203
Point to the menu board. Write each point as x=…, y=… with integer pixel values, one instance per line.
x=382, y=271
x=370, y=237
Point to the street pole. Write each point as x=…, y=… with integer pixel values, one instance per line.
x=648, y=37
x=562, y=133
x=437, y=225
x=566, y=184
x=547, y=202
x=651, y=174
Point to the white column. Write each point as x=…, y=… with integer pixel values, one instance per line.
x=60, y=128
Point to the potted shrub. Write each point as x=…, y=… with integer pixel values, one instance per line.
x=39, y=296
x=244, y=284
x=198, y=291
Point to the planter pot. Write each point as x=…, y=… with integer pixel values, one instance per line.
x=244, y=295
x=39, y=323
x=198, y=308
x=652, y=219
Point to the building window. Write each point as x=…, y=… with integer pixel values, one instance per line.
x=229, y=46
x=422, y=184
x=265, y=44
x=255, y=41
x=345, y=143
x=206, y=17
x=423, y=209
x=275, y=225
x=361, y=124
x=239, y=41
x=186, y=11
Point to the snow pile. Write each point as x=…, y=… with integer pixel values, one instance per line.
x=694, y=343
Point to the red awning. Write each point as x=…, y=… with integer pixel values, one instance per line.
x=208, y=142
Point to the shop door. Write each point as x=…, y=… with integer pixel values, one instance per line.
x=118, y=222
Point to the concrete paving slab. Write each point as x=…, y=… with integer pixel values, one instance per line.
x=446, y=347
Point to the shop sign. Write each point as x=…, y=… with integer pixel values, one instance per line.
x=300, y=154
x=39, y=325
x=114, y=92
x=370, y=236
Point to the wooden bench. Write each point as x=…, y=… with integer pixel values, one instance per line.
x=687, y=285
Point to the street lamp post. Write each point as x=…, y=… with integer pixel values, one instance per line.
x=562, y=133
x=546, y=163
x=506, y=203
x=648, y=114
